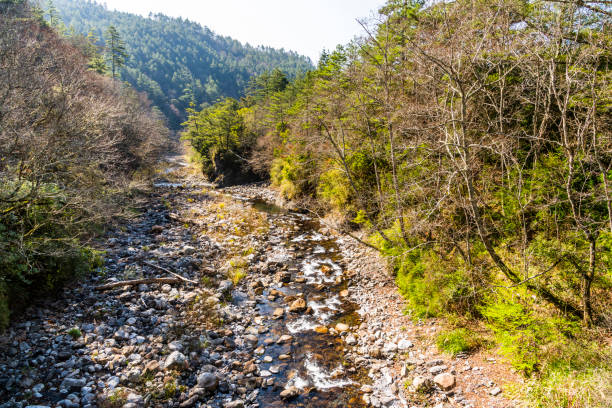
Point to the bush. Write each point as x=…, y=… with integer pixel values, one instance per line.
x=334, y=189
x=291, y=174
x=575, y=374
x=457, y=341
x=523, y=335
x=431, y=285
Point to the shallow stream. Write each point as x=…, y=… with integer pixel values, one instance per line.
x=316, y=365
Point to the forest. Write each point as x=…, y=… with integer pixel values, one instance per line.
x=472, y=140
x=175, y=61
x=73, y=146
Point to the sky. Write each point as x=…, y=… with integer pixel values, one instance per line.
x=304, y=26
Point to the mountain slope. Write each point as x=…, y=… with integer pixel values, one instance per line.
x=177, y=61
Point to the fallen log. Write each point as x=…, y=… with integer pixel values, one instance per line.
x=137, y=282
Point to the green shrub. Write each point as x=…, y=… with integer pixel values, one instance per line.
x=291, y=174
x=457, y=341
x=431, y=285
x=570, y=389
x=75, y=333
x=524, y=336
x=334, y=189
x=576, y=373
x=38, y=250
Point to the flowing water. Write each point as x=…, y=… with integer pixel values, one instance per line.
x=317, y=365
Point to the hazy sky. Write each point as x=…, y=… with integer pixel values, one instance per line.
x=305, y=26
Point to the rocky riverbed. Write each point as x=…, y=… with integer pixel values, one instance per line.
x=271, y=309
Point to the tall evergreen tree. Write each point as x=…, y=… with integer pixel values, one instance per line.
x=54, y=18
x=96, y=60
x=115, y=48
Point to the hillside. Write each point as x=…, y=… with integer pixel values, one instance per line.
x=177, y=61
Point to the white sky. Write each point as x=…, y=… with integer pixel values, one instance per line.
x=305, y=26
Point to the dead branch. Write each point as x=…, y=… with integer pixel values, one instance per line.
x=136, y=282
x=170, y=272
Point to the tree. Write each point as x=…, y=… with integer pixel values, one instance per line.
x=115, y=48
x=54, y=19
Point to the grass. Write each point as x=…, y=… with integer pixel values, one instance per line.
x=75, y=333
x=570, y=389
x=237, y=271
x=457, y=341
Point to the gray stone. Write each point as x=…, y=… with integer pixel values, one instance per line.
x=208, y=381
x=226, y=286
x=421, y=384
x=113, y=382
x=234, y=404
x=437, y=369
x=175, y=361
x=73, y=383
x=390, y=348
x=404, y=344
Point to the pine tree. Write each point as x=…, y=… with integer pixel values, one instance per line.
x=54, y=19
x=96, y=61
x=115, y=48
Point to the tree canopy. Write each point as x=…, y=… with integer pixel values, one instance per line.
x=177, y=61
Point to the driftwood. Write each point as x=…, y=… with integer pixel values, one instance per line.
x=137, y=282
x=176, y=275
x=177, y=279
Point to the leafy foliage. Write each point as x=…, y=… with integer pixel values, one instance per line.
x=472, y=140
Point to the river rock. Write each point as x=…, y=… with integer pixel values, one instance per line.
x=389, y=348
x=151, y=367
x=289, y=393
x=437, y=369
x=285, y=338
x=404, y=345
x=234, y=404
x=72, y=384
x=342, y=327
x=298, y=305
x=225, y=286
x=445, y=381
x=175, y=361
x=208, y=381
x=421, y=384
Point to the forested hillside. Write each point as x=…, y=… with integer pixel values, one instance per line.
x=177, y=61
x=71, y=142
x=472, y=140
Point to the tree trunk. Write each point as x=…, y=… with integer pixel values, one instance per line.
x=587, y=280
